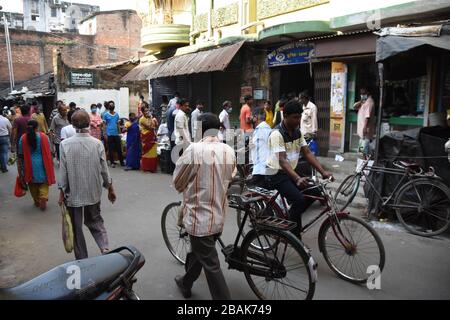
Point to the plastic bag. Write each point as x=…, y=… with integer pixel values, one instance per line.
x=67, y=230
x=18, y=190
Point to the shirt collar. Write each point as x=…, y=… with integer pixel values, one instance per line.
x=79, y=134
x=284, y=132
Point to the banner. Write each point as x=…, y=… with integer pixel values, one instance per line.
x=294, y=53
x=337, y=105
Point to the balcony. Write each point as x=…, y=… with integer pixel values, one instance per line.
x=165, y=30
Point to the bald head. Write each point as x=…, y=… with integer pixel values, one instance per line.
x=80, y=119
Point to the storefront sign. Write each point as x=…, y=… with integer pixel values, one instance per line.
x=294, y=53
x=81, y=79
x=246, y=91
x=337, y=107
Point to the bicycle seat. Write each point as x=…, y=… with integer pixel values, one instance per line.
x=409, y=165
x=96, y=274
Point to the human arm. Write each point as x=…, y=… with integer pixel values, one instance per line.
x=185, y=171
x=63, y=183
x=248, y=116
x=315, y=125
x=107, y=181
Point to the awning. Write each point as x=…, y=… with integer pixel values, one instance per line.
x=393, y=41
x=203, y=61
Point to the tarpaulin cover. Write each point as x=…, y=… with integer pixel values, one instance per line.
x=389, y=44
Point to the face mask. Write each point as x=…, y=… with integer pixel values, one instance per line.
x=94, y=110
x=364, y=97
x=229, y=110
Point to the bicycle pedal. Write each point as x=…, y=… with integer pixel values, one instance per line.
x=228, y=250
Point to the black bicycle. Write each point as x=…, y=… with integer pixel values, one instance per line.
x=276, y=264
x=420, y=199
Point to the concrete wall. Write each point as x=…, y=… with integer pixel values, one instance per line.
x=85, y=97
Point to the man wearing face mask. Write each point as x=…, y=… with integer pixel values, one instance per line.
x=224, y=118
x=83, y=173
x=96, y=122
x=365, y=109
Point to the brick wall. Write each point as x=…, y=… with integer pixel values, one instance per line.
x=33, y=50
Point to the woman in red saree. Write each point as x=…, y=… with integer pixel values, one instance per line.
x=148, y=125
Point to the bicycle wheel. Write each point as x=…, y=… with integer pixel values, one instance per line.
x=174, y=234
x=423, y=207
x=279, y=272
x=350, y=247
x=347, y=191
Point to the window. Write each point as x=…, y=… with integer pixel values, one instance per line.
x=35, y=7
x=35, y=18
x=53, y=12
x=73, y=21
x=112, y=53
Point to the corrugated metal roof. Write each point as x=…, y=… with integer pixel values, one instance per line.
x=204, y=61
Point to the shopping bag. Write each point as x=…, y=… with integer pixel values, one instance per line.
x=67, y=230
x=18, y=190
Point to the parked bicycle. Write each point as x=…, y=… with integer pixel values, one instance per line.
x=420, y=199
x=349, y=244
x=276, y=264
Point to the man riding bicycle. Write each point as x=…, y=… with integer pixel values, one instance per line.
x=286, y=144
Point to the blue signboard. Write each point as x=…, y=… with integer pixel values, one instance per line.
x=294, y=53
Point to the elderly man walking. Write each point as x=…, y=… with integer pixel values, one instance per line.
x=203, y=174
x=84, y=171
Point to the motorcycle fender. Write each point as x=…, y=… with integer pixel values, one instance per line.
x=324, y=224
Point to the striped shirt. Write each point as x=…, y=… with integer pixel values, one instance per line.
x=203, y=174
x=83, y=170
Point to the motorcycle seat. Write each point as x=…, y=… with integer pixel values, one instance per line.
x=96, y=274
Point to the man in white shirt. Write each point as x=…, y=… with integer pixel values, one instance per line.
x=194, y=118
x=5, y=134
x=224, y=118
x=182, y=135
x=68, y=131
x=260, y=151
x=308, y=124
x=173, y=101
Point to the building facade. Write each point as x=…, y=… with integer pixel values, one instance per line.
x=326, y=47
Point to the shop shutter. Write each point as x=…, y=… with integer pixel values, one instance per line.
x=322, y=84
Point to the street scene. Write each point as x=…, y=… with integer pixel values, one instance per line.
x=224, y=150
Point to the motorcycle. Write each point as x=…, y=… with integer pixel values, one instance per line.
x=107, y=277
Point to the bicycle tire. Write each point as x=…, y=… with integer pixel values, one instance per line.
x=248, y=249
x=351, y=185
x=351, y=251
x=178, y=236
x=437, y=196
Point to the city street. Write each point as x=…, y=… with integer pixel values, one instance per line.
x=30, y=243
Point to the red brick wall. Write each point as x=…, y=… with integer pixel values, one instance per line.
x=120, y=30
x=28, y=46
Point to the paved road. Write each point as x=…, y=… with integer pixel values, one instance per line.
x=30, y=243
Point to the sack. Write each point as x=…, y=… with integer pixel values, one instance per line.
x=18, y=190
x=67, y=230
x=314, y=147
x=12, y=159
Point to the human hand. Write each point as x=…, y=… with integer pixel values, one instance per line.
x=111, y=194
x=327, y=175
x=61, y=198
x=302, y=182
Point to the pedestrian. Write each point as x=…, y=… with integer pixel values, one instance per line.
x=182, y=135
x=73, y=106
x=139, y=107
x=58, y=122
x=40, y=118
x=68, y=131
x=171, y=113
x=224, y=118
x=20, y=125
x=133, y=157
x=5, y=138
x=83, y=173
x=308, y=124
x=246, y=115
x=163, y=109
x=55, y=110
x=278, y=117
x=96, y=122
x=35, y=164
x=174, y=100
x=365, y=125
x=148, y=125
x=269, y=113
x=34, y=107
x=194, y=116
x=203, y=174
x=260, y=146
x=111, y=119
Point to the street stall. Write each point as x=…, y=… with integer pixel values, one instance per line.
x=413, y=70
